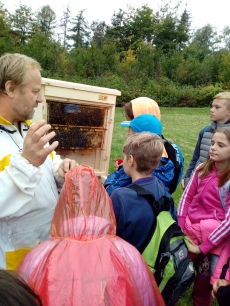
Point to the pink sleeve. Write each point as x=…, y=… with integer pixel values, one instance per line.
x=219, y=235
x=186, y=199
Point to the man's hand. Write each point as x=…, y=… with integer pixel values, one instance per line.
x=65, y=166
x=217, y=284
x=34, y=149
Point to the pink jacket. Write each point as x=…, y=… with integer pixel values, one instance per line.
x=199, y=232
x=201, y=201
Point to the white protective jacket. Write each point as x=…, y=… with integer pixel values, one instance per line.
x=28, y=196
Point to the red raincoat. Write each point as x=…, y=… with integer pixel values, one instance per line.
x=85, y=263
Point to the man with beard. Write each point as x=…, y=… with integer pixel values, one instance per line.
x=29, y=166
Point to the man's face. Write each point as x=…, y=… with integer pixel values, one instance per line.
x=219, y=111
x=28, y=97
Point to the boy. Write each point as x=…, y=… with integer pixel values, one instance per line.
x=134, y=215
x=165, y=171
x=220, y=116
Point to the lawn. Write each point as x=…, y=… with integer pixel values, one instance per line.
x=181, y=126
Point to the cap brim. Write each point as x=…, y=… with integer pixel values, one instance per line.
x=125, y=123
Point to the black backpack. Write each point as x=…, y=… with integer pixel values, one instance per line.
x=176, y=156
x=165, y=249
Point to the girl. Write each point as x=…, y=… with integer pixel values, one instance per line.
x=204, y=212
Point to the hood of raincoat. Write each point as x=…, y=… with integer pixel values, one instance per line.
x=84, y=210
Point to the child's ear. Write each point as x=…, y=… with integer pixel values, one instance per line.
x=131, y=160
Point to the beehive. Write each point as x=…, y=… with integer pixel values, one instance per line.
x=82, y=117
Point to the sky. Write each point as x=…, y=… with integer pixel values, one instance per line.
x=202, y=11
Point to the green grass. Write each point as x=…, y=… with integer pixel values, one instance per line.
x=181, y=126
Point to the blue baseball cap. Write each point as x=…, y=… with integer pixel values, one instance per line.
x=144, y=123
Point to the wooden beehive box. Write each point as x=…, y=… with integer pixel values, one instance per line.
x=82, y=117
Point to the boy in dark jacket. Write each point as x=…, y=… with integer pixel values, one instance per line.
x=220, y=117
x=164, y=171
x=134, y=215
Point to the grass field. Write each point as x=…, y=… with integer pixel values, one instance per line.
x=181, y=126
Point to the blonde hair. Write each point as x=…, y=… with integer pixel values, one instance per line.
x=206, y=167
x=142, y=105
x=146, y=149
x=224, y=95
x=14, y=67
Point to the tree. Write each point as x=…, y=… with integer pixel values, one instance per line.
x=226, y=37
x=45, y=20
x=22, y=23
x=6, y=39
x=206, y=39
x=171, y=30
x=99, y=29
x=80, y=31
x=118, y=31
x=142, y=22
x=65, y=21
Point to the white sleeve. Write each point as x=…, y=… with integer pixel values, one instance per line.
x=56, y=163
x=17, y=183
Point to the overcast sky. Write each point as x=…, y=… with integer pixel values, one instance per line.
x=202, y=11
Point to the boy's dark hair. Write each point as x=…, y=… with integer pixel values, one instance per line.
x=146, y=149
x=15, y=292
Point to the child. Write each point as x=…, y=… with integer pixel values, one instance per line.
x=221, y=288
x=134, y=215
x=165, y=170
x=14, y=291
x=202, y=213
x=84, y=262
x=141, y=105
x=220, y=116
x=221, y=291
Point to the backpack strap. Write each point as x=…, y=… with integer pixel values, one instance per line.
x=175, y=155
x=157, y=206
x=163, y=204
x=223, y=194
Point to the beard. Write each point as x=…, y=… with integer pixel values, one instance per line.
x=23, y=113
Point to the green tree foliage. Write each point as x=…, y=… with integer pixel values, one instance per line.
x=45, y=20
x=80, y=30
x=142, y=53
x=206, y=39
x=64, y=25
x=6, y=39
x=226, y=37
x=171, y=30
x=22, y=24
x=98, y=29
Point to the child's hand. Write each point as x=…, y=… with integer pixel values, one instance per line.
x=182, y=183
x=193, y=248
x=117, y=165
x=217, y=284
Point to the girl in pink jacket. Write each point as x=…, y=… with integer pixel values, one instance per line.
x=204, y=213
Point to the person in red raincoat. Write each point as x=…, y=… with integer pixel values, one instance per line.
x=85, y=263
